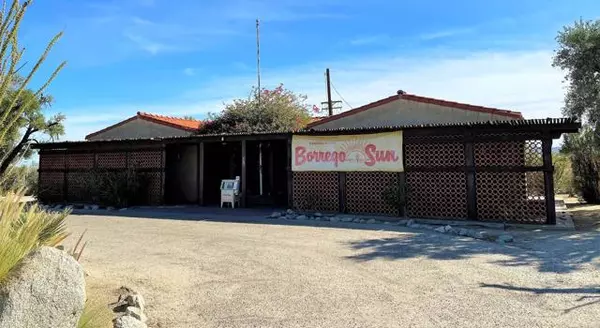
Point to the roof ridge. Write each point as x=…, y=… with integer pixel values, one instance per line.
x=167, y=116
x=412, y=97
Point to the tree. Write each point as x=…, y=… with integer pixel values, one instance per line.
x=563, y=174
x=578, y=54
x=23, y=132
x=268, y=110
x=20, y=107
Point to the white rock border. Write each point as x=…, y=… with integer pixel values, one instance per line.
x=495, y=236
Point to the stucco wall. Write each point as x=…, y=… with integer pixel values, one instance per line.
x=406, y=112
x=139, y=128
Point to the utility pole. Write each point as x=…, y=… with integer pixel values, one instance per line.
x=329, y=102
x=259, y=95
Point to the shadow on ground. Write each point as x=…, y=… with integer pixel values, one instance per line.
x=587, y=300
x=559, y=252
x=548, y=251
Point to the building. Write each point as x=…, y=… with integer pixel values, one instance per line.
x=452, y=160
x=146, y=125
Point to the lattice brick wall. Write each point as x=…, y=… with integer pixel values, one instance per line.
x=436, y=195
x=112, y=160
x=51, y=186
x=501, y=153
x=511, y=196
x=154, y=187
x=146, y=159
x=316, y=191
x=52, y=161
x=364, y=192
x=80, y=161
x=437, y=154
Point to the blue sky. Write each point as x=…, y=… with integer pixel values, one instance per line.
x=188, y=57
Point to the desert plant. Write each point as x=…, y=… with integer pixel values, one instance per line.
x=114, y=188
x=95, y=314
x=76, y=252
x=24, y=230
x=395, y=196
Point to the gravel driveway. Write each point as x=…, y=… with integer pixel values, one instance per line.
x=259, y=274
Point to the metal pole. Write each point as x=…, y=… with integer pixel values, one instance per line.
x=258, y=60
x=260, y=168
x=329, y=102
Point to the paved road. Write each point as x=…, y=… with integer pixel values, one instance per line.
x=255, y=274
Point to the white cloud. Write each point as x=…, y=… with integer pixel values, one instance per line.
x=370, y=40
x=447, y=33
x=521, y=80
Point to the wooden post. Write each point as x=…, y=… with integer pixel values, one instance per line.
x=402, y=185
x=342, y=192
x=244, y=175
x=163, y=161
x=65, y=178
x=200, y=175
x=290, y=174
x=549, y=181
x=471, y=178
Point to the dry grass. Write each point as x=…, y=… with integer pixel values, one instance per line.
x=96, y=314
x=23, y=230
x=586, y=217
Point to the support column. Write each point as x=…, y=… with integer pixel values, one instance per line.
x=244, y=186
x=549, y=181
x=342, y=192
x=200, y=173
x=471, y=178
x=290, y=174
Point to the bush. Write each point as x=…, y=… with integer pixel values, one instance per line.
x=22, y=230
x=17, y=177
x=395, y=196
x=115, y=188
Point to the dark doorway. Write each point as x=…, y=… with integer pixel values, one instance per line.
x=274, y=173
x=222, y=160
x=181, y=176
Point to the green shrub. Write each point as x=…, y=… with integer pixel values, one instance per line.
x=114, y=188
x=17, y=177
x=395, y=196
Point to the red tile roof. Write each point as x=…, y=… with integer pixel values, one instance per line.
x=175, y=122
x=427, y=100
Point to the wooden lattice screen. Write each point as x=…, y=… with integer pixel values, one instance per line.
x=62, y=173
x=499, y=177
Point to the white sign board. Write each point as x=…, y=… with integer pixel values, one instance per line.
x=361, y=152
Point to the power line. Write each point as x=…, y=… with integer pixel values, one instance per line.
x=344, y=100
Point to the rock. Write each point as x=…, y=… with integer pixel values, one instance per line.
x=94, y=207
x=135, y=312
x=290, y=217
x=401, y=222
x=46, y=290
x=86, y=207
x=347, y=219
x=440, y=229
x=387, y=222
x=110, y=208
x=123, y=209
x=318, y=214
x=334, y=219
x=463, y=232
x=371, y=221
x=317, y=219
x=135, y=300
x=447, y=228
x=357, y=220
x=415, y=226
x=58, y=207
x=410, y=222
x=128, y=322
x=290, y=211
x=301, y=217
x=505, y=238
x=275, y=215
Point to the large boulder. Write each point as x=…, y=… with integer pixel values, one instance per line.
x=46, y=290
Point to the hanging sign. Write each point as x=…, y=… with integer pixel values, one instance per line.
x=360, y=152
